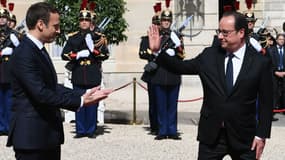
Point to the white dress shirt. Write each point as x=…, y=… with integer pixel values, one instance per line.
x=237, y=62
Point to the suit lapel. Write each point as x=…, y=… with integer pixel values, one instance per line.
x=48, y=64
x=45, y=63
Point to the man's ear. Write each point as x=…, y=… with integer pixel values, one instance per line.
x=242, y=32
x=40, y=24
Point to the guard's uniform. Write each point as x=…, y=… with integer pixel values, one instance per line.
x=9, y=39
x=85, y=65
x=166, y=86
x=149, y=69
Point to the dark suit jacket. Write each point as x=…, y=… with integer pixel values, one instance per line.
x=35, y=117
x=274, y=53
x=238, y=109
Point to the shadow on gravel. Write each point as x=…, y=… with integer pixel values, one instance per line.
x=127, y=117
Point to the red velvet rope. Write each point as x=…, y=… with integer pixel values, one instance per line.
x=190, y=100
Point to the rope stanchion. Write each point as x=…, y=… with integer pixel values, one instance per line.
x=123, y=86
x=190, y=100
x=145, y=88
x=134, y=121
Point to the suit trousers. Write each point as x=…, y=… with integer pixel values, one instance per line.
x=38, y=154
x=279, y=93
x=5, y=107
x=222, y=148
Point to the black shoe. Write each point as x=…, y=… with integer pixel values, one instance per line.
x=92, y=136
x=174, y=137
x=79, y=136
x=274, y=119
x=153, y=133
x=159, y=137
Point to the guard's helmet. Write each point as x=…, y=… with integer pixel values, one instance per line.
x=85, y=14
x=12, y=17
x=166, y=15
x=250, y=17
x=93, y=17
x=155, y=20
x=4, y=13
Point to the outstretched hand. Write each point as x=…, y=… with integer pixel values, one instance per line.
x=94, y=95
x=154, y=38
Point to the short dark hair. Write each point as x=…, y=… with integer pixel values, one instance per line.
x=39, y=11
x=280, y=34
x=240, y=21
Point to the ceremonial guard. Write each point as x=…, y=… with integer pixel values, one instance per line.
x=85, y=51
x=254, y=38
x=149, y=69
x=166, y=84
x=12, y=21
x=250, y=17
x=8, y=41
x=101, y=42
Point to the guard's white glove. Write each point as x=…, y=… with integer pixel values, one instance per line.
x=255, y=44
x=14, y=40
x=170, y=52
x=89, y=42
x=82, y=53
x=6, y=51
x=175, y=39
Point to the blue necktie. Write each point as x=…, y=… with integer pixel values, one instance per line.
x=229, y=73
x=280, y=59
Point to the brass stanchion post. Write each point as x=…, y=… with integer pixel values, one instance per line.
x=134, y=121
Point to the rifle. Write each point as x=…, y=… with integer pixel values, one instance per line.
x=21, y=26
x=103, y=24
x=168, y=42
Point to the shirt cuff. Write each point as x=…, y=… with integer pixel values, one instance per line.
x=256, y=137
x=82, y=100
x=81, y=103
x=156, y=53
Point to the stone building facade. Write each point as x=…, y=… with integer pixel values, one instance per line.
x=124, y=58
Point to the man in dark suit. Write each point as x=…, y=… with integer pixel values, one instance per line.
x=232, y=76
x=278, y=63
x=36, y=130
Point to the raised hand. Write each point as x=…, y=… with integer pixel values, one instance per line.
x=154, y=38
